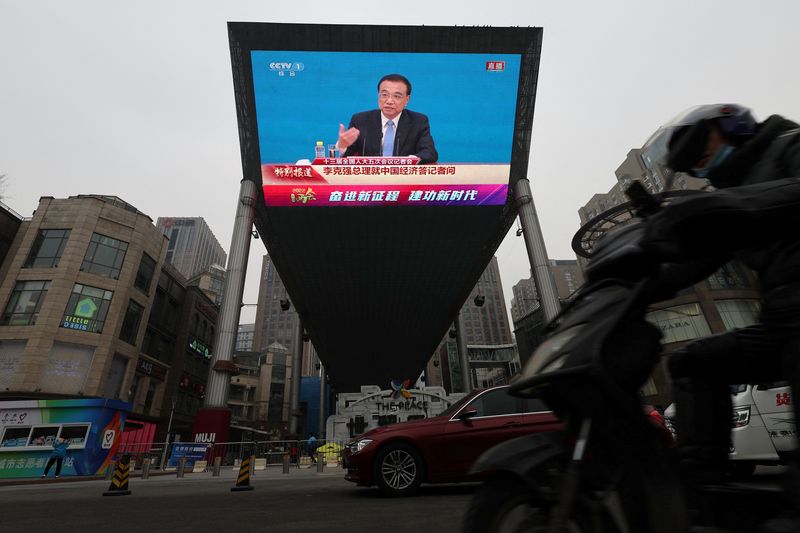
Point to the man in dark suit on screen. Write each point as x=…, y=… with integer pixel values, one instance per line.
x=391, y=130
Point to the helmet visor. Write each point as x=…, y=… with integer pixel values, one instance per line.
x=687, y=146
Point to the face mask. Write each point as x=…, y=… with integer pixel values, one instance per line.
x=719, y=157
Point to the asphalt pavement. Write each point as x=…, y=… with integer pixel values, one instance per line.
x=301, y=501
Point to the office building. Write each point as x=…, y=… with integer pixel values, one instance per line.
x=211, y=281
x=192, y=247
x=92, y=310
x=244, y=337
x=488, y=336
x=261, y=399
x=487, y=324
x=77, y=289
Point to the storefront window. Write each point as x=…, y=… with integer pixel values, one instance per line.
x=680, y=323
x=738, y=313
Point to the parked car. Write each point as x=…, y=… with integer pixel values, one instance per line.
x=399, y=457
x=763, y=431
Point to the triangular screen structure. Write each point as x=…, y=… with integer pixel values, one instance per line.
x=380, y=243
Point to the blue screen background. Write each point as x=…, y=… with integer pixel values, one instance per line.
x=471, y=109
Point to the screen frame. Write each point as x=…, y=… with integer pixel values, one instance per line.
x=246, y=37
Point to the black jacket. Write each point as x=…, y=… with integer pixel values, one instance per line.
x=755, y=214
x=413, y=136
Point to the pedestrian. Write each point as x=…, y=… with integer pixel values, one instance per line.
x=294, y=453
x=312, y=448
x=60, y=446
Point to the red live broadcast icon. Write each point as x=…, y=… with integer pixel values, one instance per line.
x=495, y=65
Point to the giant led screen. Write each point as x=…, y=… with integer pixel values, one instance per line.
x=384, y=128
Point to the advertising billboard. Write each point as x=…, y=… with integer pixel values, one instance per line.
x=29, y=428
x=451, y=144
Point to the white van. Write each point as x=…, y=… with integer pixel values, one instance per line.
x=763, y=425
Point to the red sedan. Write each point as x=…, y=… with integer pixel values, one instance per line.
x=399, y=457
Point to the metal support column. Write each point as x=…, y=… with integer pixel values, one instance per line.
x=322, y=420
x=228, y=320
x=297, y=363
x=537, y=254
x=463, y=356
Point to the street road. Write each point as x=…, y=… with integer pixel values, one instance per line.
x=302, y=501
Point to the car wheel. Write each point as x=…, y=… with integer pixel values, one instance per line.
x=398, y=469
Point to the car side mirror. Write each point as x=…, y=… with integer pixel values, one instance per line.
x=467, y=413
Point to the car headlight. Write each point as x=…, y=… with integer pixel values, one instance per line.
x=359, y=445
x=741, y=416
x=542, y=358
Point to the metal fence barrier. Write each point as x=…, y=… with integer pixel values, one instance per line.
x=229, y=454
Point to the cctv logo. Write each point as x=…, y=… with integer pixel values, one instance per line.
x=282, y=68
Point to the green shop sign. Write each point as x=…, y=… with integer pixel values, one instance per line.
x=200, y=349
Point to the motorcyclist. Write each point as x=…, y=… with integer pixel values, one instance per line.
x=753, y=216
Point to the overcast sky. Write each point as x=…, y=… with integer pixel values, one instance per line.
x=135, y=99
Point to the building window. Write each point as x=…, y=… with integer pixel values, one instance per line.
x=130, y=324
x=87, y=308
x=47, y=248
x=738, y=313
x=147, y=267
x=24, y=304
x=680, y=323
x=104, y=256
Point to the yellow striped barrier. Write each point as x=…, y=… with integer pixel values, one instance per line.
x=119, y=481
x=243, y=479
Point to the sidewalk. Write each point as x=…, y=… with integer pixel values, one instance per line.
x=226, y=472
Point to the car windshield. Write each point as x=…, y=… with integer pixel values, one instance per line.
x=450, y=411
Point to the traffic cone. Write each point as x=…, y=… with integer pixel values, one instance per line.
x=243, y=479
x=119, y=481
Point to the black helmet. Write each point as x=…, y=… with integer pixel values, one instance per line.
x=690, y=130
